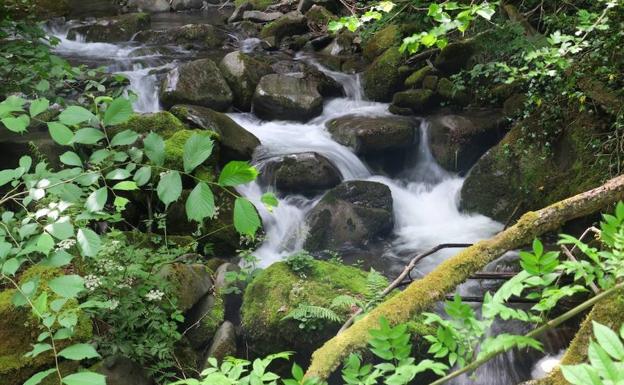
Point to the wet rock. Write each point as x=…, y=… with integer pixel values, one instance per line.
x=236, y=143
x=224, y=342
x=383, y=78
x=198, y=82
x=243, y=73
x=368, y=135
x=111, y=30
x=454, y=57
x=318, y=18
x=203, y=319
x=231, y=291
x=123, y=371
x=292, y=23
x=351, y=214
x=415, y=80
x=150, y=5
x=237, y=15
x=261, y=17
x=458, y=140
x=303, y=173
x=190, y=36
x=417, y=101
x=287, y=97
x=183, y=5
x=190, y=283
x=326, y=86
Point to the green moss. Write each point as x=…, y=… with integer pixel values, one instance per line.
x=416, y=78
x=290, y=24
x=214, y=319
x=381, y=41
x=162, y=123
x=383, y=78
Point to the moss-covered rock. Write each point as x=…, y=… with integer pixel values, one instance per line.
x=448, y=92
x=260, y=5
x=277, y=291
x=190, y=35
x=224, y=342
x=418, y=101
x=415, y=80
x=383, y=78
x=382, y=40
x=189, y=283
x=455, y=57
x=163, y=123
x=243, y=73
x=318, y=18
x=110, y=30
x=292, y=23
x=203, y=319
x=174, y=152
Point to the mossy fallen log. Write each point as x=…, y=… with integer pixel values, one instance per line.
x=422, y=294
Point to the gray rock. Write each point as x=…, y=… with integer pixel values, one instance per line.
x=261, y=17
x=198, y=82
x=287, y=97
x=183, y=5
x=369, y=135
x=292, y=23
x=190, y=282
x=123, y=371
x=202, y=320
x=303, y=173
x=152, y=6
x=243, y=73
x=224, y=342
x=351, y=214
x=237, y=15
x=195, y=35
x=112, y=29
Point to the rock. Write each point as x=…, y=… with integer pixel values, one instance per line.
x=352, y=213
x=332, y=5
x=382, y=40
x=115, y=29
x=417, y=101
x=448, y=92
x=260, y=5
x=123, y=371
x=150, y=5
x=203, y=319
x=303, y=173
x=383, y=78
x=48, y=9
x=183, y=5
x=13, y=147
x=163, y=123
x=238, y=13
x=224, y=342
x=243, y=73
x=236, y=143
x=198, y=82
x=189, y=283
x=276, y=291
x=458, y=140
x=292, y=23
x=514, y=105
x=190, y=36
x=430, y=82
x=368, y=135
x=318, y=18
x=287, y=98
x=454, y=57
x=231, y=292
x=261, y=17
x=415, y=80
x=326, y=86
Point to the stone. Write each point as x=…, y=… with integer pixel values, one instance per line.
x=287, y=97
x=203, y=319
x=447, y=91
x=152, y=6
x=236, y=143
x=292, y=23
x=110, y=30
x=368, y=135
x=261, y=17
x=163, y=123
x=184, y=5
x=198, y=82
x=189, y=36
x=123, y=371
x=430, y=82
x=239, y=11
x=415, y=80
x=351, y=214
x=231, y=292
x=304, y=173
x=318, y=18
x=243, y=73
x=418, y=101
x=224, y=342
x=382, y=40
x=189, y=283
x=383, y=78
x=454, y=57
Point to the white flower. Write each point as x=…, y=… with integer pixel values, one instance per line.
x=66, y=244
x=154, y=295
x=113, y=304
x=92, y=282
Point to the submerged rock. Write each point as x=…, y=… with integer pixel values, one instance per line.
x=243, y=73
x=198, y=82
x=115, y=29
x=352, y=214
x=190, y=35
x=287, y=97
x=303, y=173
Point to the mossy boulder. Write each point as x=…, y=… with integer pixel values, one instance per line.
x=350, y=215
x=447, y=91
x=189, y=36
x=416, y=101
x=163, y=123
x=292, y=23
x=260, y=5
x=174, y=152
x=199, y=82
x=276, y=291
x=415, y=80
x=236, y=143
x=243, y=73
x=189, y=283
x=318, y=18
x=287, y=97
x=455, y=57
x=114, y=29
x=383, y=77
x=383, y=39
x=224, y=342
x=303, y=173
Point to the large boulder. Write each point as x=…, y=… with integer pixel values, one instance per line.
x=419, y=101
x=243, y=73
x=458, y=140
x=113, y=29
x=189, y=283
x=351, y=214
x=383, y=39
x=277, y=290
x=189, y=36
x=384, y=76
x=455, y=57
x=318, y=17
x=203, y=319
x=287, y=97
x=302, y=173
x=292, y=23
x=369, y=135
x=198, y=82
x=224, y=342
x=163, y=123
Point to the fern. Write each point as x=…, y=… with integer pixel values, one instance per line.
x=345, y=301
x=312, y=317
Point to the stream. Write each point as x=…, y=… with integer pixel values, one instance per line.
x=426, y=197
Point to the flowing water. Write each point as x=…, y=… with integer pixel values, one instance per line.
x=426, y=197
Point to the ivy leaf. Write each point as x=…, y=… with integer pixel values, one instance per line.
x=143, y=175
x=96, y=200
x=17, y=125
x=74, y=115
x=79, y=352
x=236, y=173
x=85, y=378
x=88, y=135
x=70, y=158
x=118, y=112
x=88, y=242
x=60, y=133
x=124, y=138
x=196, y=150
x=67, y=286
x=169, y=187
x=246, y=220
x=486, y=12
x=38, y=377
x=38, y=106
x=154, y=147
x=200, y=203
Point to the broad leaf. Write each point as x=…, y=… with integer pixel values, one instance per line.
x=236, y=173
x=200, y=203
x=38, y=377
x=154, y=147
x=124, y=138
x=143, y=175
x=85, y=378
x=96, y=200
x=126, y=185
x=196, y=150
x=88, y=135
x=18, y=124
x=70, y=158
x=67, y=286
x=60, y=133
x=88, y=242
x=119, y=111
x=38, y=106
x=74, y=115
x=169, y=187
x=246, y=220
x=79, y=352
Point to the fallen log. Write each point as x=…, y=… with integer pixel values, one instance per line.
x=420, y=295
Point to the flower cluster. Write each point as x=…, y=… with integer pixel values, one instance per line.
x=154, y=295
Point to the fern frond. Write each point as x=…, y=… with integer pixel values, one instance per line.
x=376, y=283
x=307, y=312
x=345, y=301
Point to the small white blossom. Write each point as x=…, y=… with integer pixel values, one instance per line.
x=154, y=295
x=113, y=304
x=92, y=282
x=66, y=244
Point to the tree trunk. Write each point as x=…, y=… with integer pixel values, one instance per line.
x=420, y=295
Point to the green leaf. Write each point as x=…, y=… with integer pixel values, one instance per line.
x=60, y=133
x=11, y=266
x=42, y=86
x=79, y=352
x=38, y=377
x=580, y=375
x=70, y=158
x=154, y=147
x=67, y=286
x=197, y=149
x=200, y=203
x=45, y=243
x=85, y=378
x=58, y=259
x=270, y=200
x=96, y=200
x=126, y=185
x=61, y=229
x=609, y=341
x=74, y=115
x=246, y=220
x=124, y=138
x=236, y=173
x=118, y=112
x=18, y=124
x=6, y=176
x=38, y=106
x=88, y=135
x=143, y=175
x=169, y=187
x=118, y=174
x=88, y=242
x=38, y=349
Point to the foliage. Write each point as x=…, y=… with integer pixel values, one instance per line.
x=301, y=264
x=312, y=317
